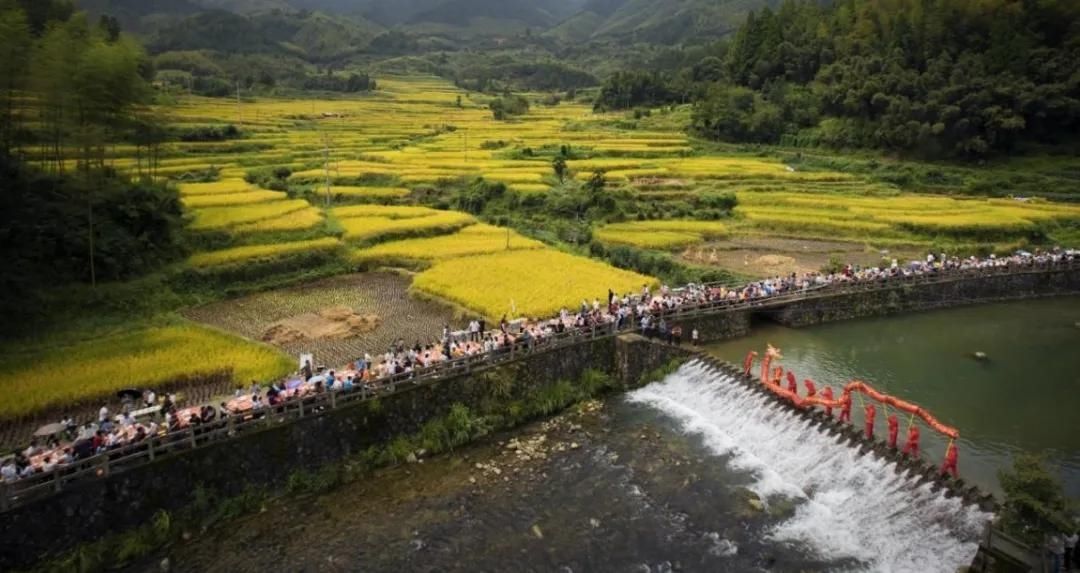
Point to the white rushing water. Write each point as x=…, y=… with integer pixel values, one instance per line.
x=848, y=506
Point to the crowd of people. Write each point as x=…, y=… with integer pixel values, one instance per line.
x=654, y=313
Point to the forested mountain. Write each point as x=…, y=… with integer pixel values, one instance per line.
x=671, y=21
x=466, y=13
x=312, y=35
x=953, y=78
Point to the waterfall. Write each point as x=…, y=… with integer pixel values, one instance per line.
x=847, y=505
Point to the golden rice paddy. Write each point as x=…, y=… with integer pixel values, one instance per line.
x=141, y=358
x=532, y=283
x=479, y=239
x=251, y=253
x=664, y=234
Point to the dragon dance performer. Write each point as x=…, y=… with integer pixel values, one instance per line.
x=870, y=411
x=949, y=465
x=845, y=408
x=828, y=395
x=912, y=446
x=894, y=429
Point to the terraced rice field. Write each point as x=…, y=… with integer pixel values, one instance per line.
x=479, y=239
x=251, y=253
x=412, y=133
x=530, y=283
x=367, y=223
x=141, y=358
x=663, y=234
x=915, y=219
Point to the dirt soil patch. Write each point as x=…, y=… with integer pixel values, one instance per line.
x=769, y=257
x=337, y=319
x=335, y=323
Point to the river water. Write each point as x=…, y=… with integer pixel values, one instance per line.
x=698, y=473
x=1025, y=397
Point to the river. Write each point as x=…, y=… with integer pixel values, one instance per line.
x=1024, y=397
x=698, y=473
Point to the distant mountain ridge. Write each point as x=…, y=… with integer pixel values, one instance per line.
x=649, y=21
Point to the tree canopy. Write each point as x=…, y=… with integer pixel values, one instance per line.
x=958, y=78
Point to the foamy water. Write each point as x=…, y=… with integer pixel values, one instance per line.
x=848, y=506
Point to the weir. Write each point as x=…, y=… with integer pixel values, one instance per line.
x=853, y=499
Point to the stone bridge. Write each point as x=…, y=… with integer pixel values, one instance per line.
x=123, y=488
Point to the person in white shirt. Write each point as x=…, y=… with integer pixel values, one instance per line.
x=1070, y=550
x=1055, y=545
x=8, y=472
x=103, y=414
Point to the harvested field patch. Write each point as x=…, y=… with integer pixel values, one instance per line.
x=383, y=295
x=334, y=323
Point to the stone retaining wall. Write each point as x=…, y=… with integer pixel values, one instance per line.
x=957, y=292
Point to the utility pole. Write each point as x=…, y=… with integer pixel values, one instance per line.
x=239, y=111
x=326, y=165
x=90, y=216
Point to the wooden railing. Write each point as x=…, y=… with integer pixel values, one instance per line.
x=130, y=455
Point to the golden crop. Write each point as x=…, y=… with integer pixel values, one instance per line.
x=252, y=252
x=373, y=228
x=226, y=199
x=661, y=234
x=134, y=359
x=224, y=217
x=476, y=239
x=525, y=283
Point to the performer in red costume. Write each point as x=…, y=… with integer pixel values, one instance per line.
x=871, y=411
x=949, y=466
x=894, y=429
x=912, y=446
x=827, y=395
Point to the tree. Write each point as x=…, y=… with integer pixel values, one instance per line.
x=559, y=166
x=14, y=59
x=737, y=114
x=1035, y=503
x=508, y=105
x=596, y=183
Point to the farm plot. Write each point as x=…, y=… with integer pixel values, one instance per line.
x=140, y=358
x=915, y=219
x=525, y=283
x=479, y=239
x=368, y=223
x=382, y=295
x=664, y=234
